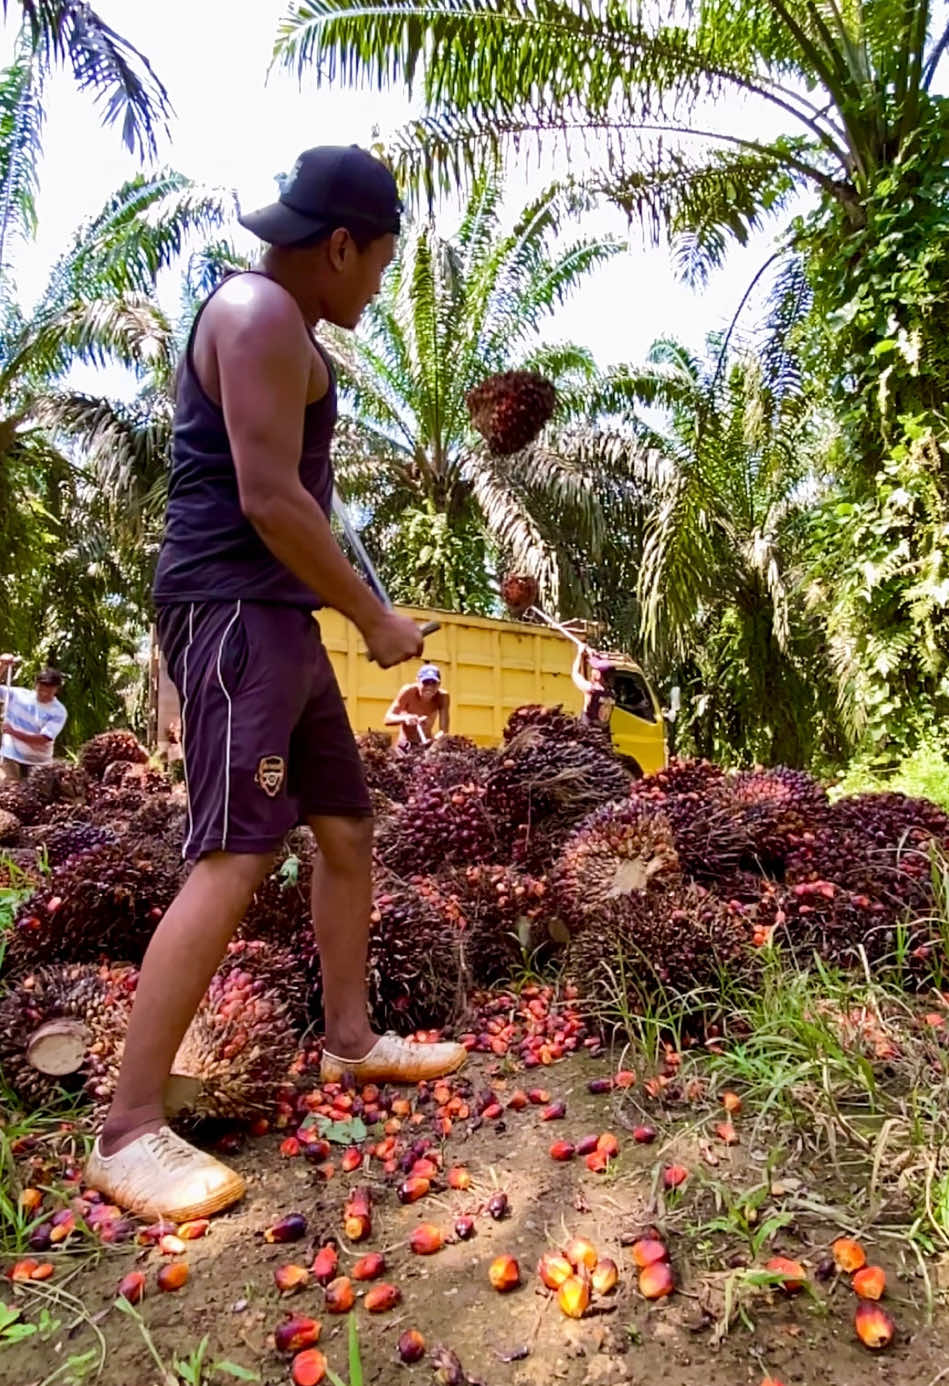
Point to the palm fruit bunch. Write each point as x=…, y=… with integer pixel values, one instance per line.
x=68, y=837
x=161, y=815
x=555, y=723
x=382, y=766
x=688, y=776
x=279, y=912
x=499, y=914
x=618, y=855
x=240, y=1046
x=438, y=827
x=777, y=808
x=712, y=840
x=677, y=940
x=414, y=957
x=536, y=776
x=839, y=925
x=24, y=801
x=97, y=998
x=9, y=827
x=449, y=761
x=510, y=409
x=99, y=753
x=519, y=591
x=60, y=781
x=103, y=903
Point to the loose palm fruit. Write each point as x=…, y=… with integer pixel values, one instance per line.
x=44, y=1271
x=340, y=1297
x=296, y=1332
x=426, y=1239
x=644, y=1135
x=587, y=1144
x=562, y=1151
x=357, y=1217
x=459, y=1178
x=875, y=1328
x=308, y=1368
x=656, y=1281
x=411, y=1346
x=382, y=1297
x=498, y=1206
x=849, y=1256
x=288, y=1229
x=464, y=1228
x=132, y=1287
x=290, y=1278
x=600, y=1085
x=554, y=1270
x=674, y=1175
x=30, y=1200
x=648, y=1250
x=504, y=1273
x=173, y=1276
x=369, y=1267
x=731, y=1102
x=726, y=1133
x=191, y=1231
x=793, y=1273
x=410, y=1190
x=538, y=1096
x=580, y=1252
x=325, y=1264
x=597, y=1162
x=518, y=1100
x=171, y=1245
x=608, y=1144
x=351, y=1160
x=870, y=1282
x=574, y=1296
x=605, y=1276
x=555, y=1112
x=23, y=1270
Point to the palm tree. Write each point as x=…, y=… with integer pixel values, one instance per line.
x=440, y=512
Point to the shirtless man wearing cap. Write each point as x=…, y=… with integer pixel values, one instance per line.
x=415, y=708
x=247, y=555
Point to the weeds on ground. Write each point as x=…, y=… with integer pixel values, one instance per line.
x=191, y=1370
x=923, y=775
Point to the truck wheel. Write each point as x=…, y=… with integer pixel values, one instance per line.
x=633, y=766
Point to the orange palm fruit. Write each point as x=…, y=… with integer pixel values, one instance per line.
x=597, y=1162
x=357, y=1215
x=426, y=1239
x=131, y=1287
x=424, y=1168
x=43, y=1271
x=290, y=1278
x=849, y=1256
x=23, y=1270
x=573, y=1296
x=580, y=1252
x=308, y=1368
x=656, y=1280
x=325, y=1264
x=172, y=1276
x=562, y=1151
x=726, y=1133
x=674, y=1175
x=459, y=1178
x=411, y=1346
x=870, y=1282
x=648, y=1250
x=414, y=1188
x=340, y=1297
x=30, y=1200
x=608, y=1144
x=504, y=1273
x=382, y=1297
x=554, y=1270
x=794, y=1276
x=351, y=1160
x=731, y=1102
x=605, y=1276
x=518, y=1100
x=296, y=1332
x=369, y=1267
x=191, y=1231
x=875, y=1328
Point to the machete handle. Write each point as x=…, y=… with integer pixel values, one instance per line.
x=429, y=628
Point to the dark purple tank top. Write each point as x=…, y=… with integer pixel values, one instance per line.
x=210, y=550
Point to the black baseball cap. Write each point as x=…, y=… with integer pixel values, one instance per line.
x=50, y=676
x=328, y=187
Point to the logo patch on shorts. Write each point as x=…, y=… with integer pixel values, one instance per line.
x=271, y=771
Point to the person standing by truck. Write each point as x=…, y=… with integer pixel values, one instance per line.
x=416, y=707
x=595, y=685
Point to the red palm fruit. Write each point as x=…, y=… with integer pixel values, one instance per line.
x=289, y=1147
x=290, y=1278
x=288, y=1229
x=351, y=1160
x=382, y=1297
x=410, y=1190
x=772, y=1381
x=608, y=1144
x=849, y=1256
x=44, y=1271
x=325, y=1264
x=870, y=1282
x=148, y=1236
x=131, y=1287
x=464, y=1228
x=624, y=1079
x=555, y=1112
x=580, y=1252
x=296, y=1332
x=539, y=1096
x=191, y=1231
x=794, y=1276
x=411, y=1346
x=357, y=1216
x=423, y=1169
x=498, y=1206
x=562, y=1150
x=459, y=1178
x=554, y=1270
x=492, y=1111
x=369, y=1267
x=426, y=1239
x=726, y=1133
x=23, y=1270
x=587, y=1145
x=875, y=1328
x=644, y=1135
x=597, y=1161
x=605, y=1276
x=518, y=1100
x=308, y=1368
x=600, y=1085
x=172, y=1276
x=504, y=1273
x=170, y=1245
x=648, y=1250
x=656, y=1281
x=573, y=1296
x=731, y=1102
x=340, y=1296
x=674, y=1175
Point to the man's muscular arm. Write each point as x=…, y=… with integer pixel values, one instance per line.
x=398, y=714
x=264, y=359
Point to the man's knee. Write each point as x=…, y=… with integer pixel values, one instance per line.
x=345, y=843
x=243, y=869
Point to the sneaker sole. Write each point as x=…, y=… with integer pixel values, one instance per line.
x=331, y=1073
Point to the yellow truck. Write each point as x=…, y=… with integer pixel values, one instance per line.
x=490, y=667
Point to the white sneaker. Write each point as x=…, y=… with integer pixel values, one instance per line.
x=393, y=1059
x=161, y=1176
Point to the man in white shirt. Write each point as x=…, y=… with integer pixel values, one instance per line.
x=32, y=720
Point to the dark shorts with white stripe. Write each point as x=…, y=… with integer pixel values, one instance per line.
x=264, y=732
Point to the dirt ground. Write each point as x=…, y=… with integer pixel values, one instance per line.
x=520, y=1338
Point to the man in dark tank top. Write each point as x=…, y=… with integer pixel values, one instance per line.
x=247, y=555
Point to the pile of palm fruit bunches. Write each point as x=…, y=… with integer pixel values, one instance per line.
x=484, y=858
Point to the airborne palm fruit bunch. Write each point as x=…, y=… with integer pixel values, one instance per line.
x=99, y=753
x=414, y=957
x=620, y=854
x=64, y=1026
x=778, y=807
x=438, y=827
x=510, y=409
x=519, y=591
x=677, y=940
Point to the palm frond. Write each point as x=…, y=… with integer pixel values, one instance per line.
x=21, y=138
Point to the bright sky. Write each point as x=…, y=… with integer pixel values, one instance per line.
x=236, y=128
